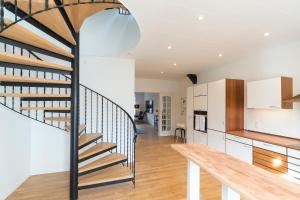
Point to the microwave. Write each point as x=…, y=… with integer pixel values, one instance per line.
x=200, y=121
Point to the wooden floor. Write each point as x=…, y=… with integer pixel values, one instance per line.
x=160, y=175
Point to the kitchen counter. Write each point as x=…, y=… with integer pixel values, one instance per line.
x=249, y=181
x=272, y=139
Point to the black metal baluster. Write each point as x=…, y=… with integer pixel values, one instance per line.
x=5, y=72
x=107, y=120
x=21, y=88
x=102, y=110
x=85, y=106
x=2, y=15
x=91, y=111
x=127, y=140
x=97, y=113
x=13, y=87
x=112, y=123
x=117, y=128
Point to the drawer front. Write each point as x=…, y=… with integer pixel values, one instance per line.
x=270, y=160
x=294, y=167
x=270, y=147
x=200, y=137
x=294, y=153
x=294, y=161
x=294, y=174
x=239, y=139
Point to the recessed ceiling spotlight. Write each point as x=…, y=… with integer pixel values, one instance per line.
x=175, y=64
x=220, y=55
x=162, y=72
x=201, y=17
x=169, y=47
x=267, y=34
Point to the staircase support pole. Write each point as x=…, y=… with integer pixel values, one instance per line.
x=74, y=123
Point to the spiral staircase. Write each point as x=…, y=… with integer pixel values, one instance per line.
x=103, y=134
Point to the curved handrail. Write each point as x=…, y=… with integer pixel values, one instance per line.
x=5, y=26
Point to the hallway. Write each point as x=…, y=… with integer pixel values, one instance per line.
x=160, y=171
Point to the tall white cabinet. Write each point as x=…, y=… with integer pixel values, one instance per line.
x=190, y=115
x=196, y=100
x=225, y=110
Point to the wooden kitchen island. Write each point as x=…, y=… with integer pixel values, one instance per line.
x=237, y=177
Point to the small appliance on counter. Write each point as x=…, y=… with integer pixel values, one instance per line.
x=200, y=120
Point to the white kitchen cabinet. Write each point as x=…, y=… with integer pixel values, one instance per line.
x=239, y=150
x=190, y=115
x=200, y=137
x=200, y=90
x=294, y=164
x=217, y=105
x=200, y=103
x=216, y=140
x=270, y=93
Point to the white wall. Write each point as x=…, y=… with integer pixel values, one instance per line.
x=111, y=77
x=49, y=149
x=14, y=151
x=274, y=61
x=140, y=100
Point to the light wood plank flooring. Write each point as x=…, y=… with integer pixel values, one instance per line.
x=161, y=175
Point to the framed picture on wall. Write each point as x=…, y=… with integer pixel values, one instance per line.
x=149, y=106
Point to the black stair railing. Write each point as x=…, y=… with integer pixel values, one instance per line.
x=97, y=112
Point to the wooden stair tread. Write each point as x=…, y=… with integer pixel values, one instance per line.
x=87, y=138
x=15, y=59
x=46, y=108
x=109, y=159
x=81, y=128
x=34, y=95
x=51, y=18
x=96, y=149
x=21, y=34
x=111, y=174
x=19, y=79
x=78, y=13
x=58, y=119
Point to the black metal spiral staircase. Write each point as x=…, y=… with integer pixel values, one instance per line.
x=103, y=134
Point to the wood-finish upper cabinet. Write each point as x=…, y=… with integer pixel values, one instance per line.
x=190, y=115
x=270, y=93
x=200, y=90
x=217, y=105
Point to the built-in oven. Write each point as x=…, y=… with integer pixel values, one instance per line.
x=200, y=120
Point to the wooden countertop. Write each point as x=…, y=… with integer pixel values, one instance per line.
x=272, y=139
x=250, y=181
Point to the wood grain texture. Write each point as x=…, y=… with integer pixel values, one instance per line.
x=111, y=158
x=250, y=181
x=270, y=161
x=87, y=138
x=58, y=119
x=78, y=13
x=21, y=34
x=22, y=79
x=286, y=92
x=11, y=58
x=46, y=108
x=269, y=138
x=51, y=18
x=234, y=104
x=114, y=173
x=96, y=149
x=34, y=95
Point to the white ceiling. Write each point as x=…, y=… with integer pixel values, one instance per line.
x=232, y=27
